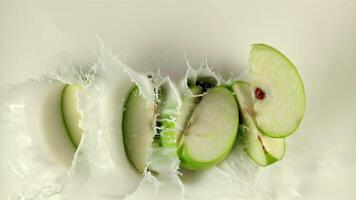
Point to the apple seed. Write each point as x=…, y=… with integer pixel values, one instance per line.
x=260, y=94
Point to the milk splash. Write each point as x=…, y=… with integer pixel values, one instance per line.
x=38, y=161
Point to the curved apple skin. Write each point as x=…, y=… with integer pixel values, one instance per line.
x=280, y=113
x=138, y=128
x=207, y=121
x=70, y=114
x=262, y=149
x=187, y=162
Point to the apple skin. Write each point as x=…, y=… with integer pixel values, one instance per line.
x=168, y=136
x=258, y=54
x=70, y=115
x=188, y=162
x=270, y=159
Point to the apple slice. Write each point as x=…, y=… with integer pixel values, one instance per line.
x=211, y=130
x=70, y=114
x=168, y=104
x=262, y=149
x=188, y=104
x=279, y=99
x=138, y=128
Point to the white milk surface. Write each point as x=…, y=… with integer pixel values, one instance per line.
x=40, y=39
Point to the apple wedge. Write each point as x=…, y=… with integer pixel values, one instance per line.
x=70, y=114
x=138, y=128
x=262, y=149
x=211, y=130
x=279, y=99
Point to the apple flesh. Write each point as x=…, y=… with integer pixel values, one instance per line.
x=138, y=128
x=262, y=149
x=70, y=114
x=279, y=98
x=188, y=104
x=211, y=130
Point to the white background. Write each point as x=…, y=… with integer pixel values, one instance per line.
x=318, y=36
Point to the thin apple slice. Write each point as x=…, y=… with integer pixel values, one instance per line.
x=279, y=99
x=211, y=130
x=138, y=128
x=188, y=104
x=168, y=104
x=194, y=85
x=262, y=149
x=71, y=115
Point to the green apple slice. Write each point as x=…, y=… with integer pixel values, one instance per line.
x=173, y=114
x=262, y=149
x=138, y=128
x=211, y=130
x=168, y=104
x=279, y=99
x=188, y=104
x=71, y=115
